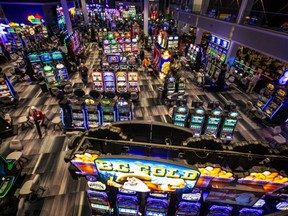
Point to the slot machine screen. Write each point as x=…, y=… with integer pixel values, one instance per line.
x=123, y=110
x=233, y=114
x=57, y=55
x=213, y=120
x=200, y=111
x=197, y=119
x=34, y=58
x=170, y=85
x=181, y=85
x=179, y=117
x=46, y=57
x=127, y=210
x=152, y=213
x=78, y=107
x=216, y=112
x=109, y=77
x=98, y=206
x=230, y=122
x=108, y=109
x=170, y=38
x=113, y=59
x=182, y=109
x=193, y=197
x=108, y=118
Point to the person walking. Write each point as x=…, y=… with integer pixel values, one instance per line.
x=200, y=77
x=38, y=117
x=253, y=81
x=142, y=55
x=146, y=64
x=83, y=70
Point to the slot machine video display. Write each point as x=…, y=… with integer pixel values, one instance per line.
x=97, y=81
x=197, y=121
x=133, y=85
x=78, y=114
x=229, y=126
x=180, y=115
x=134, y=45
x=114, y=46
x=62, y=72
x=36, y=62
x=266, y=97
x=158, y=207
x=50, y=75
x=276, y=103
x=109, y=81
x=121, y=82
x=170, y=85
x=99, y=202
x=46, y=58
x=127, y=205
x=213, y=123
x=188, y=209
x=170, y=42
x=106, y=46
x=181, y=86
x=127, y=45
x=125, y=112
x=108, y=111
x=93, y=113
x=57, y=56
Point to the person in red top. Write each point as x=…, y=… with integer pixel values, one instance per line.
x=38, y=117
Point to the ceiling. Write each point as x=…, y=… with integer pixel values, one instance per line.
x=30, y=1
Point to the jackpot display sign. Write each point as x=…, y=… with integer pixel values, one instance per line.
x=146, y=174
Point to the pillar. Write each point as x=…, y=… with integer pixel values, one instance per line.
x=85, y=13
x=199, y=34
x=204, y=7
x=146, y=16
x=245, y=9
x=67, y=16
x=232, y=51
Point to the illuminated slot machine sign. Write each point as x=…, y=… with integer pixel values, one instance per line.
x=133, y=82
x=78, y=116
x=276, y=103
x=218, y=47
x=164, y=64
x=46, y=58
x=143, y=174
x=128, y=45
x=57, y=56
x=180, y=116
x=121, y=81
x=176, y=42
x=270, y=180
x=134, y=45
x=34, y=58
x=85, y=163
x=170, y=42
x=215, y=174
x=113, y=59
x=114, y=46
x=62, y=72
x=93, y=120
x=109, y=81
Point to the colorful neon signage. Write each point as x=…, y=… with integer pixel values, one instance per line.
x=220, y=41
x=145, y=175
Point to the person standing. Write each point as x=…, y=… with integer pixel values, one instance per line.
x=200, y=77
x=142, y=55
x=83, y=70
x=253, y=81
x=38, y=118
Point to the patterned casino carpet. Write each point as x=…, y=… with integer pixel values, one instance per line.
x=65, y=196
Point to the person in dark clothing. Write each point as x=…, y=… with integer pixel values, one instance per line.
x=142, y=55
x=220, y=83
x=83, y=70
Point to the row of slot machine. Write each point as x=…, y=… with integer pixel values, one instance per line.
x=85, y=114
x=120, y=45
x=158, y=203
x=213, y=69
x=218, y=48
x=273, y=103
x=173, y=85
x=215, y=123
x=6, y=88
x=193, y=51
x=120, y=81
x=173, y=42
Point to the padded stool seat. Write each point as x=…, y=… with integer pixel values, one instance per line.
x=57, y=121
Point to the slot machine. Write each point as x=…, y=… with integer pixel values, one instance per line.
x=106, y=46
x=127, y=45
x=125, y=112
x=266, y=97
x=176, y=42
x=133, y=85
x=181, y=86
x=170, y=42
x=108, y=111
x=134, y=45
x=62, y=72
x=220, y=210
x=121, y=45
x=213, y=123
x=189, y=205
x=276, y=103
x=78, y=113
x=170, y=85
x=223, y=56
x=98, y=198
x=121, y=81
x=50, y=75
x=197, y=121
x=229, y=125
x=6, y=88
x=57, y=57
x=114, y=46
x=158, y=207
x=97, y=81
x=35, y=60
x=216, y=73
x=127, y=204
x=93, y=113
x=212, y=69
x=46, y=58
x=180, y=116
x=109, y=82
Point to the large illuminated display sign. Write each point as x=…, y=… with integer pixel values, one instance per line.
x=146, y=174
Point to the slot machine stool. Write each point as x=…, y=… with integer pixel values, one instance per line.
x=57, y=122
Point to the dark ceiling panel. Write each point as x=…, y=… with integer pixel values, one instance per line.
x=30, y=1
